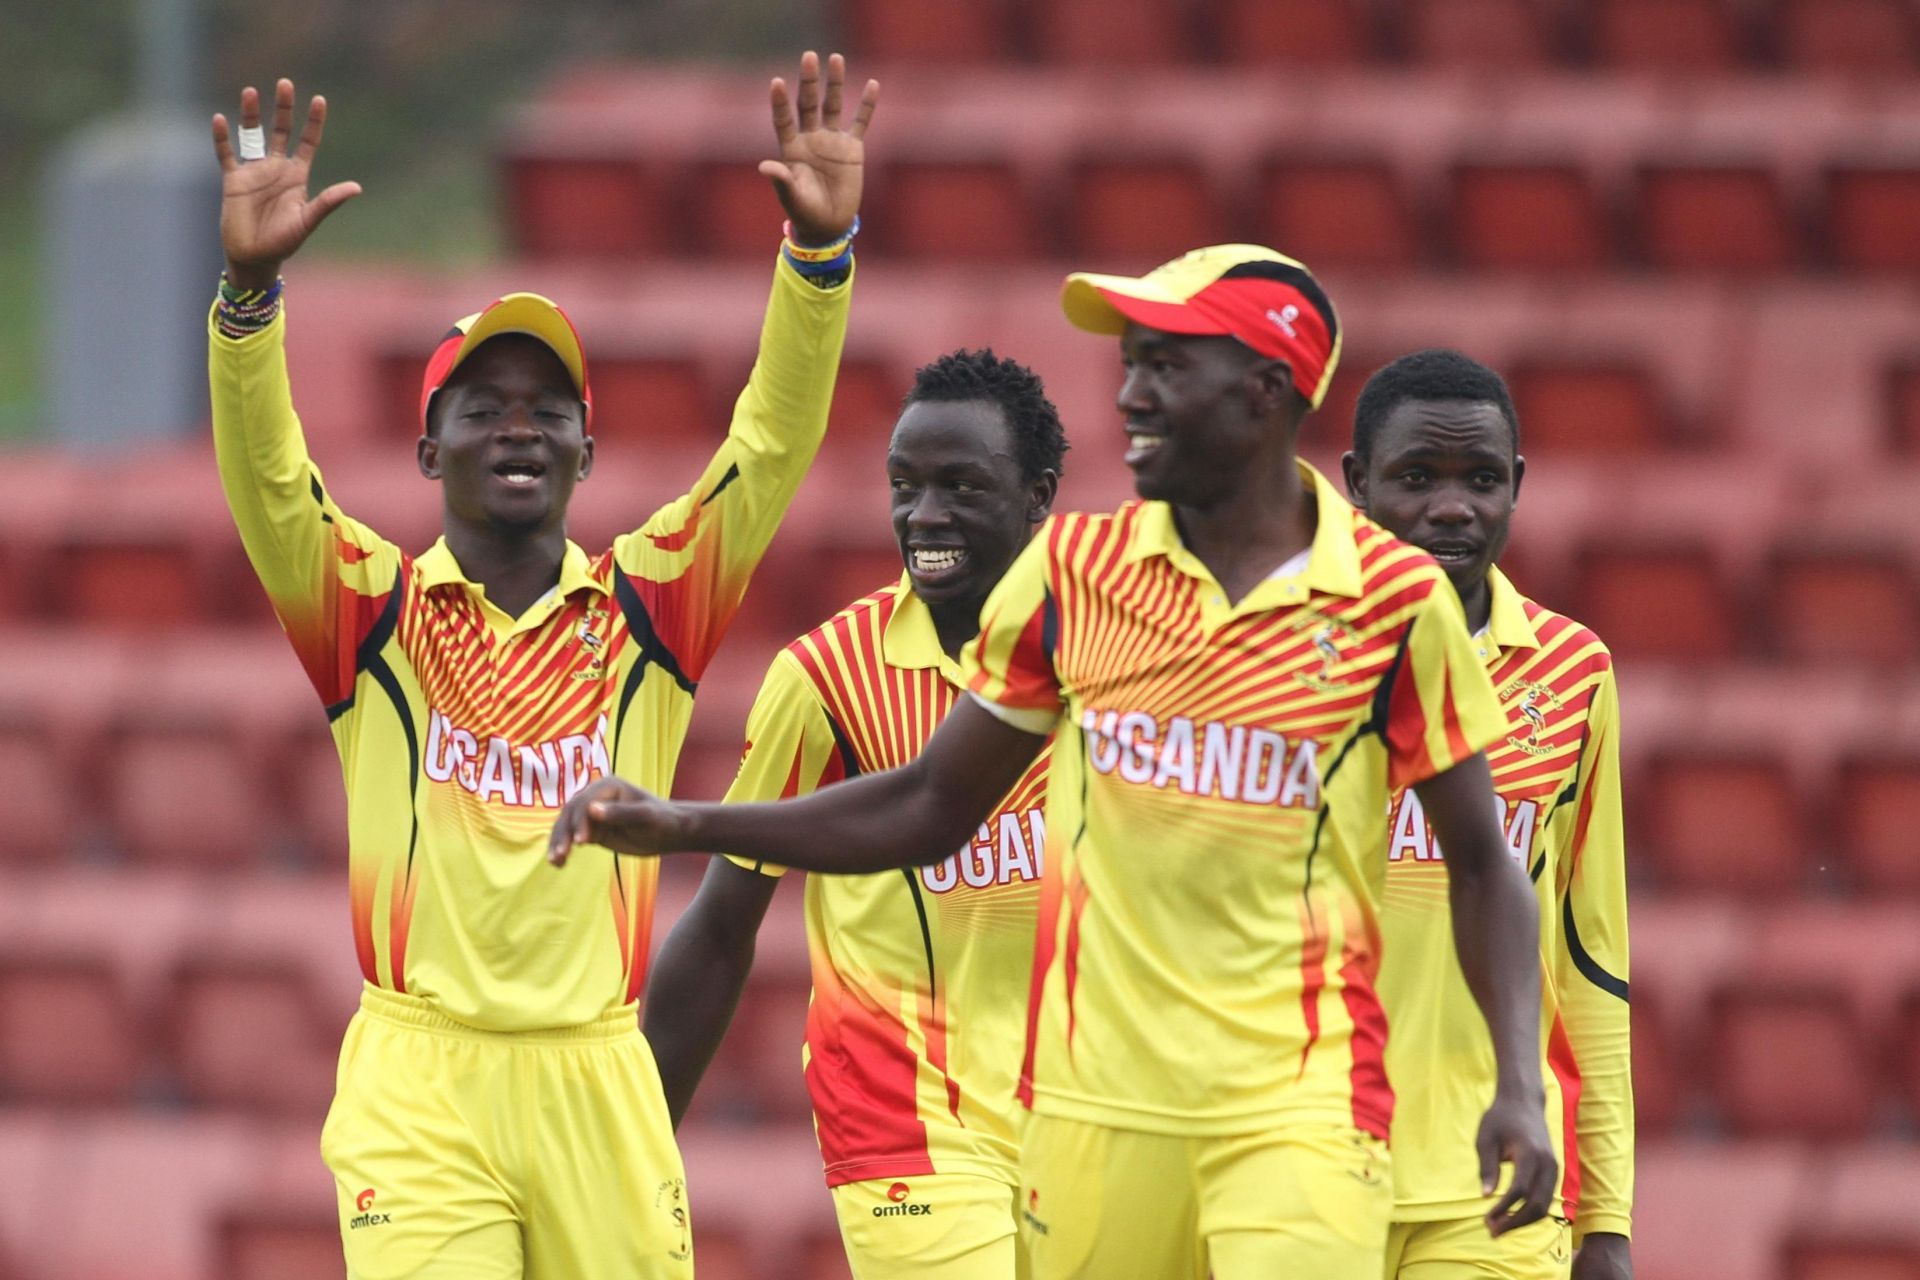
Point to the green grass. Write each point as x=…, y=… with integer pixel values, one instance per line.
x=21, y=396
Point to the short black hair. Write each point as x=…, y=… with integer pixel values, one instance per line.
x=1435, y=374
x=1039, y=441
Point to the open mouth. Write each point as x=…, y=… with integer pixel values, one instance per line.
x=520, y=474
x=1453, y=553
x=1143, y=444
x=936, y=562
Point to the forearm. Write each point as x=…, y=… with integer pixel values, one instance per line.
x=878, y=822
x=692, y=993
x=1496, y=931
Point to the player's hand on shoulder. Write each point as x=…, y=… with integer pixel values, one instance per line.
x=1514, y=1131
x=1604, y=1255
x=615, y=815
x=818, y=175
x=265, y=211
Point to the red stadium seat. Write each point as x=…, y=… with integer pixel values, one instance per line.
x=1903, y=408
x=1313, y=33
x=1906, y=1052
x=247, y=1035
x=866, y=404
x=825, y=1258
x=724, y=1252
x=280, y=1248
x=1140, y=209
x=1340, y=213
x=42, y=814
x=1844, y=607
x=1134, y=33
x=1587, y=407
x=1877, y=820
x=1791, y=1062
x=1660, y=1081
x=937, y=31
x=68, y=1034
x=1656, y=601
x=729, y=215
x=1483, y=35
x=657, y=398
x=1722, y=823
x=1713, y=218
x=957, y=209
x=1677, y=36
x=190, y=795
x=1527, y=217
x=768, y=1035
x=1847, y=37
x=581, y=207
x=1871, y=214
x=132, y=586
x=1848, y=1258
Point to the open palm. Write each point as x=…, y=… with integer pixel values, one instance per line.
x=265, y=211
x=819, y=173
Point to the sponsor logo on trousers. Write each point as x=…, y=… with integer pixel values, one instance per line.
x=898, y=1194
x=367, y=1218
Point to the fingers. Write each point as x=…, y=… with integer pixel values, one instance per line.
x=863, y=114
x=1489, y=1152
x=836, y=82
x=809, y=91
x=783, y=126
x=249, y=108
x=316, y=125
x=282, y=118
x=327, y=201
x=1528, y=1196
x=223, y=144
x=782, y=179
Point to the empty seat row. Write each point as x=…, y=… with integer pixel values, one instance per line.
x=1346, y=210
x=1690, y=36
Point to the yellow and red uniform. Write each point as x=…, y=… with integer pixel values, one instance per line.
x=919, y=976
x=461, y=730
x=1556, y=771
x=1208, y=941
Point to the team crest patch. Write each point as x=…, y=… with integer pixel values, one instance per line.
x=1329, y=633
x=1536, y=700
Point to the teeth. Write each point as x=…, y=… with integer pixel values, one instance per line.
x=1146, y=442
x=934, y=561
x=518, y=477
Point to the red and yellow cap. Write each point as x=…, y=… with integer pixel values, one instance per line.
x=1246, y=291
x=527, y=313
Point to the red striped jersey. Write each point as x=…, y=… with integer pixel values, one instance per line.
x=920, y=975
x=461, y=730
x=1208, y=939
x=1556, y=770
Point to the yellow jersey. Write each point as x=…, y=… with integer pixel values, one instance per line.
x=1556, y=770
x=919, y=976
x=462, y=731
x=1208, y=940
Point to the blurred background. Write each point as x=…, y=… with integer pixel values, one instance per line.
x=1687, y=230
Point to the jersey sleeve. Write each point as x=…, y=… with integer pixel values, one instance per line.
x=1008, y=667
x=329, y=577
x=1441, y=708
x=688, y=565
x=1592, y=977
x=791, y=746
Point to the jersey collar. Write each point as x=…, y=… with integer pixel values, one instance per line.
x=1508, y=626
x=437, y=568
x=1333, y=561
x=911, y=641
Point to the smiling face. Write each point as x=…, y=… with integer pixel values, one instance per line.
x=507, y=438
x=1443, y=475
x=961, y=508
x=1198, y=412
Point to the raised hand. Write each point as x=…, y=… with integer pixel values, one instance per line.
x=818, y=174
x=265, y=211
x=615, y=815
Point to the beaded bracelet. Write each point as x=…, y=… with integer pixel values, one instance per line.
x=822, y=252
x=242, y=312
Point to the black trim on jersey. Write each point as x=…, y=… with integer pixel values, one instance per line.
x=733, y=473
x=319, y=496
x=375, y=640
x=850, y=767
x=1583, y=961
x=1376, y=724
x=653, y=651
x=1049, y=626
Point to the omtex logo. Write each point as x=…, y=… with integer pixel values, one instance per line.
x=538, y=775
x=367, y=1218
x=900, y=1208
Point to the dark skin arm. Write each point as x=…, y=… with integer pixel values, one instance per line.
x=916, y=814
x=1604, y=1255
x=1496, y=932
x=698, y=977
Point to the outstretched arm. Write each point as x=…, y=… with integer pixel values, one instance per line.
x=697, y=980
x=265, y=211
x=1496, y=931
x=916, y=814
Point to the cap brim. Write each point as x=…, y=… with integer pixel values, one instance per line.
x=1104, y=304
x=537, y=317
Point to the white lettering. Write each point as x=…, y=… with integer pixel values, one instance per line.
x=1266, y=766
x=1303, y=777
x=1136, y=737
x=1103, y=748
x=497, y=769
x=540, y=767
x=497, y=774
x=1220, y=760
x=1176, y=756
